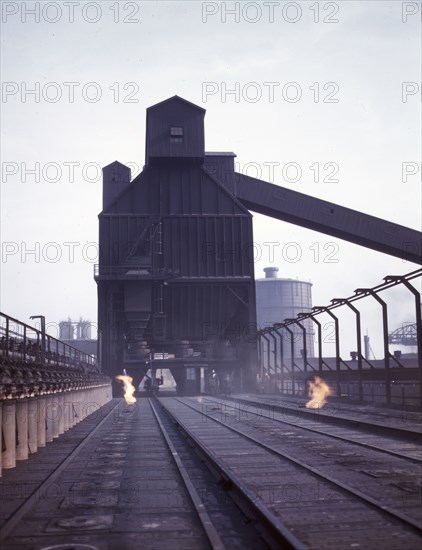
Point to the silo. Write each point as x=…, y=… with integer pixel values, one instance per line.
x=280, y=299
x=66, y=330
x=83, y=330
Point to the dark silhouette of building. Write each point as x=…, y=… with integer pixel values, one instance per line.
x=175, y=272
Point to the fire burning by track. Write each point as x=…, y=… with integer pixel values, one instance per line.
x=318, y=391
x=129, y=388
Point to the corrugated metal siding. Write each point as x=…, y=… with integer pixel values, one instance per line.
x=117, y=236
x=176, y=190
x=206, y=312
x=222, y=167
x=205, y=231
x=193, y=246
x=208, y=246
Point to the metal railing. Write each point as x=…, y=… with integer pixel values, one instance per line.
x=21, y=341
x=130, y=271
x=294, y=370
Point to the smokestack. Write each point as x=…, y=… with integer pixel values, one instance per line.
x=366, y=346
x=270, y=272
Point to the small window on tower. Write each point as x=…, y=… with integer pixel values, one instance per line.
x=176, y=134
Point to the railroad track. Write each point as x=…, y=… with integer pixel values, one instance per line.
x=219, y=537
x=327, y=496
x=273, y=531
x=195, y=471
x=339, y=414
x=381, y=443
x=131, y=480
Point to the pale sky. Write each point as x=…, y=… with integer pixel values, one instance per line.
x=347, y=75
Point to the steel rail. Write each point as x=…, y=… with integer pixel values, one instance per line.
x=320, y=432
x=210, y=530
x=367, y=499
x=362, y=424
x=344, y=407
x=276, y=530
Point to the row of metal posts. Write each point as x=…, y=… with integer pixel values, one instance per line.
x=28, y=424
x=362, y=292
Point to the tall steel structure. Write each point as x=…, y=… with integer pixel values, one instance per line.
x=175, y=274
x=175, y=271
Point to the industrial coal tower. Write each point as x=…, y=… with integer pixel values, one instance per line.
x=175, y=275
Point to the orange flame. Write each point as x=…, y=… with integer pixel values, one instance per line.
x=128, y=387
x=318, y=392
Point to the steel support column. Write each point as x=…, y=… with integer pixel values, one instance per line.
x=320, y=360
x=337, y=343
x=370, y=292
x=24, y=343
x=318, y=324
x=418, y=314
x=268, y=361
x=42, y=353
x=280, y=334
x=358, y=340
x=305, y=352
x=7, y=337
x=275, y=355
x=292, y=359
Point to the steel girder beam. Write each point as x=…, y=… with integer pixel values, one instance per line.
x=338, y=221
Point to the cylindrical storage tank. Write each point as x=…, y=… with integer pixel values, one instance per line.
x=280, y=299
x=66, y=330
x=83, y=330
